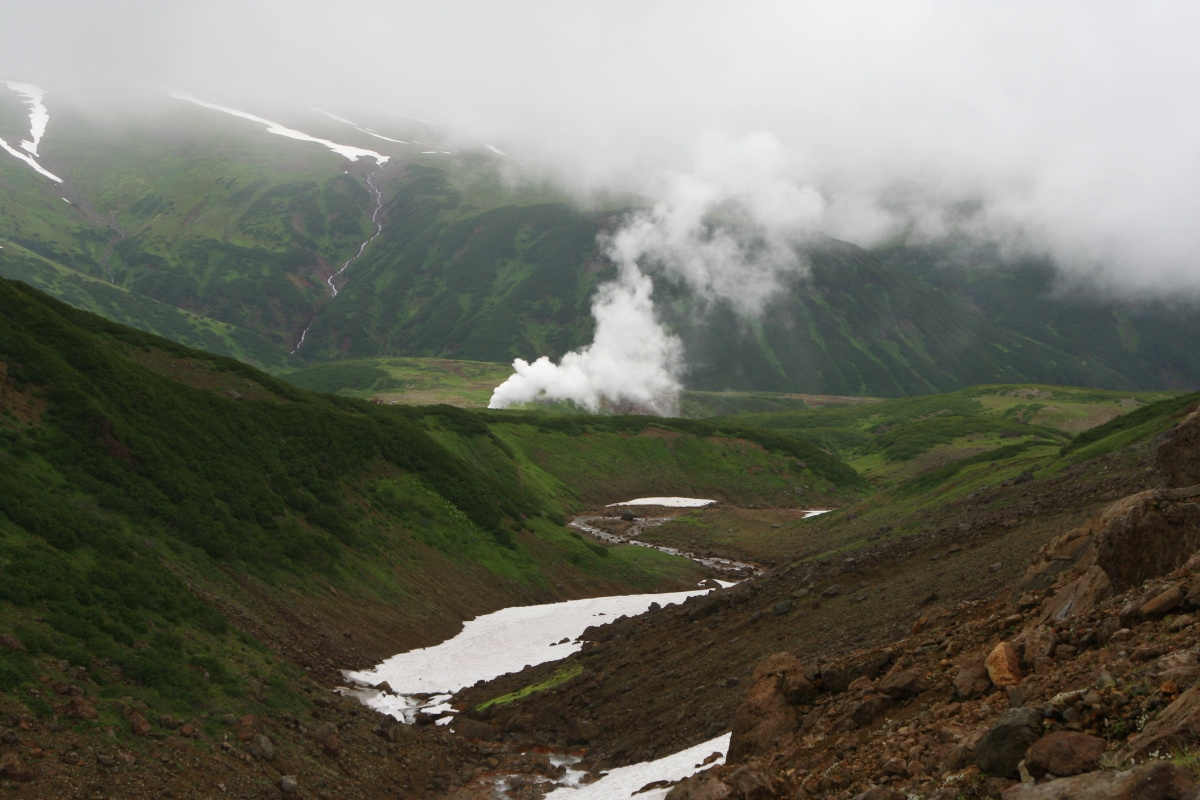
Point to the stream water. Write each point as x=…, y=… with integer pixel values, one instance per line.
x=378, y=230
x=508, y=640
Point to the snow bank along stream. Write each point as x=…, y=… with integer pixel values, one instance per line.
x=507, y=641
x=726, y=567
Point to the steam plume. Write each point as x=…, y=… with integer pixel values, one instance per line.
x=728, y=231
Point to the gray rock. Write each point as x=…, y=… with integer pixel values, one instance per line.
x=289, y=785
x=1003, y=747
x=264, y=748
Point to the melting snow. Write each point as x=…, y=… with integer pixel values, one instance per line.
x=494, y=644
x=39, y=117
x=29, y=160
x=622, y=782
x=358, y=127
x=495, y=149
x=352, y=153
x=669, y=502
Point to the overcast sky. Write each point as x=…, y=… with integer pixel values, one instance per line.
x=1075, y=125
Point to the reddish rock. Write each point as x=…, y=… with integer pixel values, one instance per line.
x=764, y=716
x=880, y=793
x=791, y=676
x=79, y=708
x=905, y=683
x=1003, y=665
x=139, y=725
x=331, y=745
x=1162, y=603
x=187, y=730
x=1158, y=780
x=1064, y=753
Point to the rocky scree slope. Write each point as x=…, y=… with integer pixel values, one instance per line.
x=1083, y=686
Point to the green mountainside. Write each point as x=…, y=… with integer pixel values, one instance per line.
x=208, y=230
x=151, y=493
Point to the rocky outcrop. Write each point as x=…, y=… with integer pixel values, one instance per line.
x=1157, y=781
x=767, y=714
x=1178, y=457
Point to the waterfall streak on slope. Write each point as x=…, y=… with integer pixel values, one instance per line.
x=378, y=230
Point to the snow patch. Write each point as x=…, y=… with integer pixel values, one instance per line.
x=494, y=644
x=815, y=512
x=39, y=117
x=667, y=502
x=29, y=160
x=358, y=127
x=495, y=149
x=622, y=782
x=345, y=150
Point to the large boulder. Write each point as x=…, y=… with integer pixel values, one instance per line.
x=1079, y=597
x=1002, y=748
x=1003, y=665
x=1152, y=537
x=1158, y=780
x=904, y=683
x=839, y=678
x=971, y=680
x=1178, y=457
x=1064, y=753
x=766, y=716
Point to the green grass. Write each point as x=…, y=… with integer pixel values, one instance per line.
x=560, y=677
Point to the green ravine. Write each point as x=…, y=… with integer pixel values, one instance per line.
x=140, y=479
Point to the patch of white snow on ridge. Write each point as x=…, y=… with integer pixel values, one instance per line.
x=494, y=644
x=815, y=512
x=39, y=117
x=358, y=127
x=495, y=149
x=345, y=150
x=29, y=160
x=622, y=782
x=667, y=502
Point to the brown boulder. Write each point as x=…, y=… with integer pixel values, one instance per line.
x=1162, y=603
x=1064, y=753
x=1152, y=536
x=791, y=675
x=1181, y=667
x=1036, y=642
x=699, y=787
x=764, y=716
x=905, y=683
x=1178, y=458
x=1080, y=596
x=474, y=729
x=971, y=680
x=139, y=725
x=1003, y=665
x=1159, y=780
x=14, y=769
x=78, y=708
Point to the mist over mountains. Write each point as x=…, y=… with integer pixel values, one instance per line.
x=697, y=176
